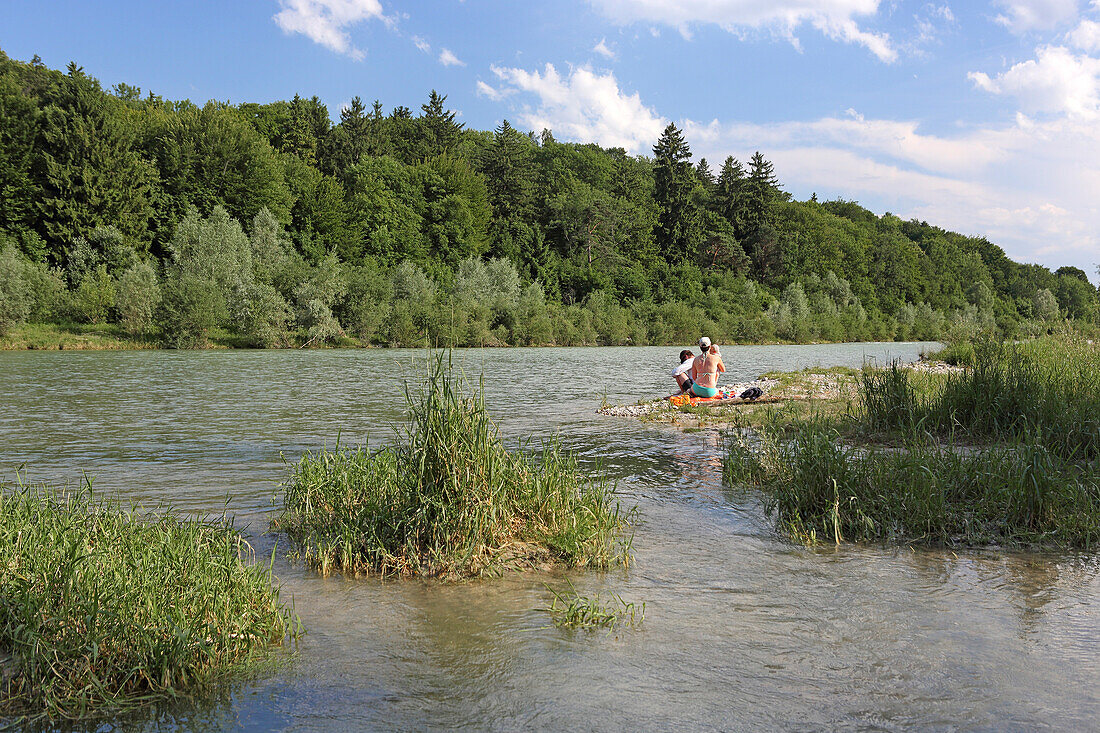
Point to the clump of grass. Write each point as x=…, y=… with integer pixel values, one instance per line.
x=105, y=608
x=887, y=399
x=929, y=492
x=957, y=353
x=449, y=500
x=574, y=611
x=1048, y=389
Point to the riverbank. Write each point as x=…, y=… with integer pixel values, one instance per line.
x=828, y=390
x=112, y=337
x=1004, y=452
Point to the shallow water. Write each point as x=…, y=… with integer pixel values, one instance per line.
x=742, y=631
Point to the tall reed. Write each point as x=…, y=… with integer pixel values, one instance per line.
x=1048, y=390
x=104, y=607
x=448, y=499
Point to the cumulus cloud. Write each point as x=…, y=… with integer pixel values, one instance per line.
x=1028, y=185
x=584, y=105
x=484, y=90
x=898, y=142
x=835, y=18
x=602, y=49
x=447, y=58
x=1056, y=81
x=421, y=44
x=1020, y=16
x=325, y=21
x=1086, y=36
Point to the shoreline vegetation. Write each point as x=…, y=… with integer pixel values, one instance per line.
x=105, y=608
x=111, y=337
x=1003, y=451
x=131, y=220
x=449, y=500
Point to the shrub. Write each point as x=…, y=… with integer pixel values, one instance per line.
x=15, y=298
x=260, y=313
x=138, y=298
x=190, y=306
x=49, y=299
x=94, y=298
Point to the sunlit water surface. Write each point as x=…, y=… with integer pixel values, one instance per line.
x=742, y=631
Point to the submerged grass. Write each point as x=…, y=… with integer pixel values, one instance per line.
x=105, y=608
x=574, y=611
x=926, y=491
x=449, y=500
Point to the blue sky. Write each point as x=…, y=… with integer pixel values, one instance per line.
x=982, y=118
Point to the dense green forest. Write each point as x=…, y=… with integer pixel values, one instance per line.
x=274, y=224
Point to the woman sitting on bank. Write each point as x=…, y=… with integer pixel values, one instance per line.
x=705, y=370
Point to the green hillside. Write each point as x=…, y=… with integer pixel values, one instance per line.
x=269, y=225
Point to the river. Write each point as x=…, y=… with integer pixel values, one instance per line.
x=742, y=630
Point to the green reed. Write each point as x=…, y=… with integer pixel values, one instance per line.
x=926, y=491
x=448, y=499
x=1047, y=390
x=105, y=608
x=574, y=611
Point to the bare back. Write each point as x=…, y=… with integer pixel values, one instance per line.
x=705, y=369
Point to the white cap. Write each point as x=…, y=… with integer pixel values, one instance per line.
x=704, y=343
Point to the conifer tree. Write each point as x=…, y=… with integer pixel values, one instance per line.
x=705, y=175
x=729, y=194
x=761, y=193
x=438, y=127
x=678, y=226
x=89, y=170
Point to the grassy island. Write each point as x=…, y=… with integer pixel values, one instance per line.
x=104, y=608
x=449, y=499
x=1005, y=452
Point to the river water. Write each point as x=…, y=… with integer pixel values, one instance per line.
x=742, y=631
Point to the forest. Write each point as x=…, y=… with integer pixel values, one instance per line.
x=272, y=225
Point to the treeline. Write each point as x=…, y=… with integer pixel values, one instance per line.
x=269, y=222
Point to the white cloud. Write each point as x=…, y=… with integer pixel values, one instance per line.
x=325, y=21
x=1057, y=81
x=1021, y=16
x=584, y=106
x=447, y=58
x=834, y=18
x=897, y=141
x=421, y=44
x=1027, y=186
x=602, y=49
x=932, y=22
x=484, y=90
x=1086, y=36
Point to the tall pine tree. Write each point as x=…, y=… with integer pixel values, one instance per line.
x=441, y=132
x=761, y=193
x=728, y=201
x=90, y=173
x=678, y=230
